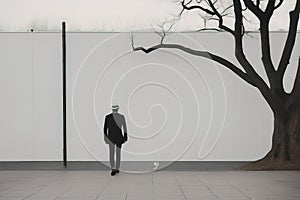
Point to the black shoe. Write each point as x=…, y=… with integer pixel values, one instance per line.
x=113, y=172
x=117, y=171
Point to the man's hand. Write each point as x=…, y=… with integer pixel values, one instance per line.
x=106, y=140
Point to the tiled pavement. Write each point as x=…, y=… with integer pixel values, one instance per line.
x=160, y=185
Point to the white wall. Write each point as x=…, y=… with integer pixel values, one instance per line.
x=30, y=119
x=181, y=106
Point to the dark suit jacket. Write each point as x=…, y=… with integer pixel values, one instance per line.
x=113, y=125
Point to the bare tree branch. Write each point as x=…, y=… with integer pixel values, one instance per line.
x=270, y=9
x=255, y=9
x=279, y=4
x=240, y=55
x=221, y=24
x=257, y=3
x=213, y=12
x=184, y=6
x=265, y=46
x=290, y=41
x=163, y=30
x=264, y=18
x=226, y=10
x=204, y=54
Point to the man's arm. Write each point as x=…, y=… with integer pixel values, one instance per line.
x=105, y=131
x=125, y=129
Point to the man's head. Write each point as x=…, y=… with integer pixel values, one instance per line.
x=115, y=108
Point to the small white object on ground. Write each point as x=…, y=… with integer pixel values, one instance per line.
x=156, y=165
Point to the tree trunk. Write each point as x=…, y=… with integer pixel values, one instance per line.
x=285, y=151
x=285, y=143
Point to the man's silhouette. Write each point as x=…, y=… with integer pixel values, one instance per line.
x=113, y=125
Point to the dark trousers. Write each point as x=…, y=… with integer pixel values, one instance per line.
x=115, y=150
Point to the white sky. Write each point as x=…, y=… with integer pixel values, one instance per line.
x=109, y=15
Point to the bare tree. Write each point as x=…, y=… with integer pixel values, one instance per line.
x=285, y=151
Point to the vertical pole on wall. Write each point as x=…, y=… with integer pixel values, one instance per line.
x=64, y=117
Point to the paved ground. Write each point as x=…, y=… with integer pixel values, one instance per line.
x=160, y=185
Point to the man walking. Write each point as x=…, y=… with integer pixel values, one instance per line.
x=113, y=136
